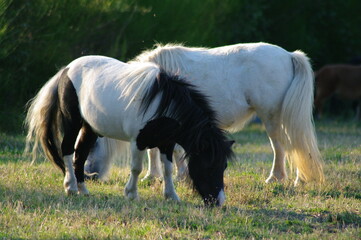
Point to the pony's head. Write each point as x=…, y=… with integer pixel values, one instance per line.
x=207, y=163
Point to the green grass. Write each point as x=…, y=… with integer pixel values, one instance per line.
x=33, y=204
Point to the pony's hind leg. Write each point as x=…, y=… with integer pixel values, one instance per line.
x=278, y=171
x=72, y=122
x=70, y=185
x=154, y=167
x=67, y=148
x=131, y=190
x=182, y=166
x=84, y=143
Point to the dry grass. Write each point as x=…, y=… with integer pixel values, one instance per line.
x=34, y=206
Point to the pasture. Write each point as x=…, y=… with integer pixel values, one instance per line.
x=33, y=204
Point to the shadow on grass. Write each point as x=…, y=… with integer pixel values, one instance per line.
x=297, y=222
x=234, y=220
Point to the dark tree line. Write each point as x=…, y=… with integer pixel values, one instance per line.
x=38, y=36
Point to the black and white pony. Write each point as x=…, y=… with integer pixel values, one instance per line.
x=247, y=79
x=138, y=102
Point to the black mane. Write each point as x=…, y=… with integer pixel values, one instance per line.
x=182, y=102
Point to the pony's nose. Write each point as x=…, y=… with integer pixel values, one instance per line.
x=212, y=201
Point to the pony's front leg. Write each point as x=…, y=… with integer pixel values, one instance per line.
x=169, y=191
x=131, y=190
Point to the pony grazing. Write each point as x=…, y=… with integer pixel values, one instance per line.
x=255, y=78
x=339, y=79
x=100, y=96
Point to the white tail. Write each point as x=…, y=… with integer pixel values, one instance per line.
x=298, y=132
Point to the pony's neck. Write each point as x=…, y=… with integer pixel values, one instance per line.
x=195, y=142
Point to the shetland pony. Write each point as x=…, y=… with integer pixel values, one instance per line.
x=255, y=78
x=138, y=102
x=341, y=80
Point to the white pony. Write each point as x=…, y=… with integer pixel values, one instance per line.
x=257, y=78
x=137, y=102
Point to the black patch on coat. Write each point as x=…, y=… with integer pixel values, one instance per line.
x=160, y=132
x=70, y=113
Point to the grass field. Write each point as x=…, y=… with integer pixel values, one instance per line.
x=33, y=204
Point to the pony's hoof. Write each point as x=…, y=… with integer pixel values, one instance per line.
x=70, y=185
x=273, y=179
x=183, y=178
x=82, y=190
x=172, y=196
x=70, y=189
x=299, y=182
x=149, y=179
x=131, y=195
x=71, y=192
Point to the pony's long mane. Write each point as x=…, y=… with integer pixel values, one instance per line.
x=182, y=102
x=139, y=76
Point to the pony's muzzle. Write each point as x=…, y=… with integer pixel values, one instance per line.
x=218, y=202
x=221, y=198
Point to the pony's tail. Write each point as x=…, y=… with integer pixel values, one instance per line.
x=298, y=132
x=43, y=122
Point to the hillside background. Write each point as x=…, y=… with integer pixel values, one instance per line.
x=37, y=37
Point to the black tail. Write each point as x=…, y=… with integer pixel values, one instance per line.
x=44, y=122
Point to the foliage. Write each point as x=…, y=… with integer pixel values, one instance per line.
x=33, y=204
x=37, y=37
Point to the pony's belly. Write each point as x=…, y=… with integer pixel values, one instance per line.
x=110, y=125
x=109, y=129
x=234, y=120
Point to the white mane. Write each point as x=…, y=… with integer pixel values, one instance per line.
x=139, y=77
x=170, y=57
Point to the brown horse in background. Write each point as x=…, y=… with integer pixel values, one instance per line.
x=341, y=80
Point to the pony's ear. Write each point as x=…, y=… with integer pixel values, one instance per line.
x=230, y=143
